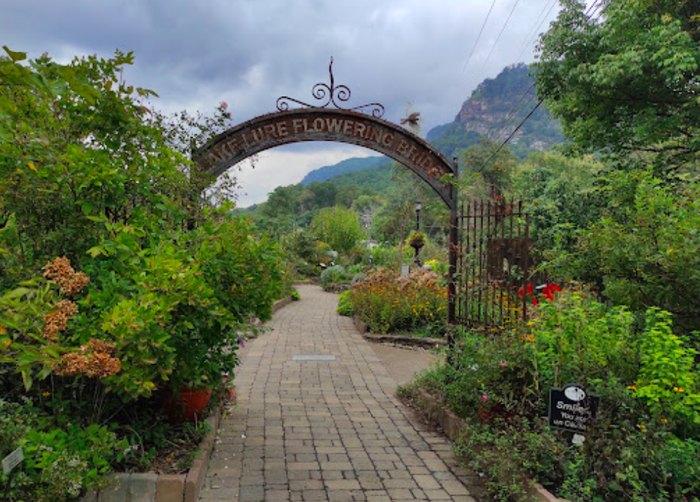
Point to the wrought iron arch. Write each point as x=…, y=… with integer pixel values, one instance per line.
x=345, y=125
x=293, y=126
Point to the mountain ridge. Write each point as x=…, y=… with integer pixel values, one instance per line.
x=492, y=111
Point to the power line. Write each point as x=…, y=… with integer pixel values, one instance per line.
x=478, y=37
x=501, y=32
x=589, y=14
x=510, y=136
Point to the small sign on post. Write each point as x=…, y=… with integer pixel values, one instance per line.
x=12, y=460
x=572, y=408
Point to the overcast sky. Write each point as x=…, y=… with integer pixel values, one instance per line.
x=196, y=53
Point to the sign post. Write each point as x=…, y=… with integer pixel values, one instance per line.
x=8, y=464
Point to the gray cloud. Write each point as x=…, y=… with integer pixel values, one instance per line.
x=248, y=52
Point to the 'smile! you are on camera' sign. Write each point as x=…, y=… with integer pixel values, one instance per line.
x=572, y=408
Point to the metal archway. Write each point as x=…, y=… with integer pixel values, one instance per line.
x=319, y=123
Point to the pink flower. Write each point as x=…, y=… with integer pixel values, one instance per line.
x=223, y=105
x=503, y=364
x=484, y=398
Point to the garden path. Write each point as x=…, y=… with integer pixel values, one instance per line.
x=324, y=429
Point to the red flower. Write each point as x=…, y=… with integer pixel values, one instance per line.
x=534, y=300
x=525, y=290
x=549, y=290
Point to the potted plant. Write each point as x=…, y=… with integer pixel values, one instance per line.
x=205, y=349
x=416, y=239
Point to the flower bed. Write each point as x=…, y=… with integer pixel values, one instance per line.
x=387, y=302
x=644, y=441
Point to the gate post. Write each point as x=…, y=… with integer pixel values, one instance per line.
x=453, y=246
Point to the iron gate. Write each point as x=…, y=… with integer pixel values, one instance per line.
x=493, y=264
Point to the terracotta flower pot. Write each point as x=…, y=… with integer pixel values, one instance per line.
x=187, y=405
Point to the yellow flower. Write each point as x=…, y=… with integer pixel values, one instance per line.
x=678, y=389
x=664, y=420
x=46, y=393
x=7, y=342
x=632, y=387
x=3, y=331
x=642, y=427
x=530, y=323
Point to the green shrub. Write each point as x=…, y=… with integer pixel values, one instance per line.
x=59, y=463
x=333, y=276
x=645, y=433
x=345, y=307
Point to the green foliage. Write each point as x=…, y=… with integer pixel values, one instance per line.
x=561, y=195
x=485, y=175
x=627, y=81
x=340, y=228
x=246, y=272
x=334, y=276
x=668, y=377
x=387, y=302
x=345, y=307
x=89, y=173
x=643, y=435
x=578, y=339
x=58, y=463
x=644, y=249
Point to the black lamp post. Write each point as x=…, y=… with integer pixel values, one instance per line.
x=419, y=206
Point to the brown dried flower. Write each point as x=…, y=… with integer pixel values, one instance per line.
x=94, y=360
x=62, y=273
x=71, y=364
x=57, y=320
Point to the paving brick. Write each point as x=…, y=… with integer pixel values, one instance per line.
x=324, y=430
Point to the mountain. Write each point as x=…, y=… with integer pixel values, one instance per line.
x=494, y=110
x=343, y=167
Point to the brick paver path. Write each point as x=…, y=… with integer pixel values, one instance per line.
x=324, y=430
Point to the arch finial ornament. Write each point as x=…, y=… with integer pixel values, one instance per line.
x=331, y=94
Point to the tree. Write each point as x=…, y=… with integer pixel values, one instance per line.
x=340, y=228
x=487, y=170
x=628, y=80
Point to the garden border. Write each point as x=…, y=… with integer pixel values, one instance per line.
x=410, y=341
x=434, y=412
x=152, y=487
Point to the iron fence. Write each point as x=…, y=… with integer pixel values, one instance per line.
x=493, y=264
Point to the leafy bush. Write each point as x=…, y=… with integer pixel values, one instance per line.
x=58, y=463
x=646, y=426
x=388, y=302
x=334, y=276
x=345, y=307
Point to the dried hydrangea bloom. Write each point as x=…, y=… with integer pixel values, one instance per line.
x=67, y=307
x=54, y=323
x=102, y=365
x=95, y=345
x=74, y=284
x=94, y=360
x=59, y=267
x=57, y=320
x=71, y=364
x=62, y=273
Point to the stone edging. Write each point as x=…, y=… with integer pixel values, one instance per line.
x=411, y=341
x=152, y=487
x=437, y=414
x=281, y=303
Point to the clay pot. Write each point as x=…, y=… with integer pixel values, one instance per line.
x=187, y=405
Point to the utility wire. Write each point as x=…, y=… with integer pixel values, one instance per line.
x=501, y=32
x=590, y=12
x=478, y=37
